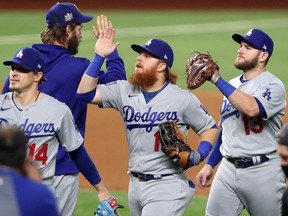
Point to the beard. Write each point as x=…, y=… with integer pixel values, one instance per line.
x=147, y=78
x=247, y=65
x=73, y=45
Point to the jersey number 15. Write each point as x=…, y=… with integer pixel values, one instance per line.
x=252, y=124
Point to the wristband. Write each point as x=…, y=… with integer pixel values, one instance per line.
x=94, y=67
x=226, y=88
x=204, y=149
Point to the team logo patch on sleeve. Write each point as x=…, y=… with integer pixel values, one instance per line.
x=267, y=94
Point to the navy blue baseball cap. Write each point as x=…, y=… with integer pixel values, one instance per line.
x=65, y=13
x=158, y=48
x=257, y=39
x=29, y=59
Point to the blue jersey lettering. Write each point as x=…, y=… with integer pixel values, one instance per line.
x=152, y=118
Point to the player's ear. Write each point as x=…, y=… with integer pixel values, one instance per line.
x=38, y=76
x=161, y=66
x=69, y=30
x=263, y=56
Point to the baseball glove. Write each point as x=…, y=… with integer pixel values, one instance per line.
x=175, y=148
x=199, y=68
x=108, y=207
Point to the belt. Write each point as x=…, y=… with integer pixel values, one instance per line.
x=248, y=162
x=148, y=177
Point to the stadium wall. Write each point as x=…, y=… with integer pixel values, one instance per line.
x=150, y=4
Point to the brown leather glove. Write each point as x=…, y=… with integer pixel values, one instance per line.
x=199, y=68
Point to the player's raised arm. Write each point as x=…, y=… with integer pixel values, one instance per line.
x=104, y=46
x=115, y=69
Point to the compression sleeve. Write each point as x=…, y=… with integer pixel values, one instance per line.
x=85, y=165
x=216, y=156
x=87, y=96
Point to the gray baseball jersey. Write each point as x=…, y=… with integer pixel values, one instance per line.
x=141, y=121
x=48, y=123
x=234, y=189
x=245, y=137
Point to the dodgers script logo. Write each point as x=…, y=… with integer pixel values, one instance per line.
x=149, y=118
x=228, y=110
x=32, y=129
x=38, y=129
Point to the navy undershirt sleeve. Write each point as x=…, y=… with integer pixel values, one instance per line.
x=262, y=111
x=85, y=165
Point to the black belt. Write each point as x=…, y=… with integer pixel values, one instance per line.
x=248, y=162
x=148, y=177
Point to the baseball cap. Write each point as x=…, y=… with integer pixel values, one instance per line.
x=158, y=48
x=256, y=38
x=29, y=59
x=282, y=135
x=65, y=13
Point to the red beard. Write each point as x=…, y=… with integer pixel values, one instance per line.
x=148, y=78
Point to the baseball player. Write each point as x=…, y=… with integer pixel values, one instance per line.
x=19, y=195
x=249, y=175
x=64, y=71
x=157, y=186
x=282, y=149
x=47, y=122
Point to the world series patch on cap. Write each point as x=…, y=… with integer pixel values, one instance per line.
x=64, y=14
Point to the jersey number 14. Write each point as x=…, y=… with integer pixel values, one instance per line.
x=41, y=154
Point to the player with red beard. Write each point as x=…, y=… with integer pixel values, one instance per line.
x=158, y=186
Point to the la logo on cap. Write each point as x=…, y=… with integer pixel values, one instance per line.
x=19, y=54
x=39, y=66
x=148, y=42
x=249, y=32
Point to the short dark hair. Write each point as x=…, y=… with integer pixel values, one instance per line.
x=13, y=143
